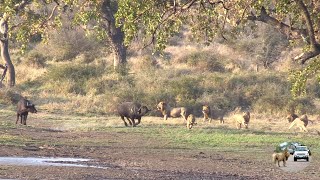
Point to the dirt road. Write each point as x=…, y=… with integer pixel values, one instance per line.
x=296, y=166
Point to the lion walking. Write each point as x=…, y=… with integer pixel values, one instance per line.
x=283, y=156
x=209, y=114
x=191, y=121
x=242, y=119
x=168, y=111
x=300, y=123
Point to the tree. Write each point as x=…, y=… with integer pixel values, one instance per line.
x=98, y=16
x=20, y=20
x=23, y=19
x=160, y=20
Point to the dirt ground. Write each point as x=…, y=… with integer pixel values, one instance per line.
x=133, y=156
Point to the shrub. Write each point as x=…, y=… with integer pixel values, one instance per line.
x=71, y=78
x=8, y=96
x=67, y=44
x=204, y=61
x=35, y=59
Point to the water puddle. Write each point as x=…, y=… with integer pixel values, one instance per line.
x=47, y=161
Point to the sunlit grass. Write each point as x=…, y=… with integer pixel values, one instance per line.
x=172, y=132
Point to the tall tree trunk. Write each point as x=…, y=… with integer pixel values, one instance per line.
x=4, y=45
x=119, y=50
x=115, y=35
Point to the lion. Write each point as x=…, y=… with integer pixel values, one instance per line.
x=208, y=114
x=167, y=111
x=191, y=120
x=291, y=117
x=242, y=119
x=283, y=156
x=300, y=123
x=304, y=118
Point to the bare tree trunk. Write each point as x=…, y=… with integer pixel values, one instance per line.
x=115, y=35
x=4, y=45
x=119, y=50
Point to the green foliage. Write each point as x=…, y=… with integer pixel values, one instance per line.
x=299, y=78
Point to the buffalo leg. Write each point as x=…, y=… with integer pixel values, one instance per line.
x=21, y=119
x=139, y=120
x=129, y=120
x=133, y=124
x=17, y=118
x=125, y=123
x=25, y=120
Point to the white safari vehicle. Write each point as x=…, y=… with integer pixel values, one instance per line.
x=301, y=152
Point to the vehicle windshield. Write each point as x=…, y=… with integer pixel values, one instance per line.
x=302, y=148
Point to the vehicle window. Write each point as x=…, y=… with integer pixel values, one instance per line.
x=302, y=149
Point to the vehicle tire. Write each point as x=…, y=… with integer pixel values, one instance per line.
x=307, y=159
x=295, y=159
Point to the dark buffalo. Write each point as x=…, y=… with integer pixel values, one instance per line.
x=132, y=111
x=23, y=108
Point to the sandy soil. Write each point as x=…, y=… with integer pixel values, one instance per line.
x=133, y=156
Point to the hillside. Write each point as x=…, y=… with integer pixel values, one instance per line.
x=75, y=75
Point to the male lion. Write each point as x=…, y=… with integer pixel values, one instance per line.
x=167, y=111
x=291, y=117
x=242, y=119
x=191, y=120
x=208, y=114
x=283, y=156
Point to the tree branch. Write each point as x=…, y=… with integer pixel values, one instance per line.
x=293, y=32
x=315, y=47
x=283, y=28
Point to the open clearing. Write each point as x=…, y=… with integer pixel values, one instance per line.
x=156, y=149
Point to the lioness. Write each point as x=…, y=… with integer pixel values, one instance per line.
x=208, y=114
x=191, y=120
x=301, y=124
x=167, y=111
x=283, y=156
x=242, y=119
x=304, y=118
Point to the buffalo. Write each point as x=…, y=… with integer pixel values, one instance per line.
x=23, y=108
x=131, y=111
